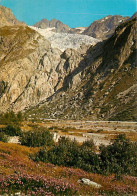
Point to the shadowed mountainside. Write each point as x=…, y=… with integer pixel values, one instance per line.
x=105, y=27
x=103, y=86
x=97, y=82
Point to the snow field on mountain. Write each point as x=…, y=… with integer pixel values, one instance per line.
x=63, y=41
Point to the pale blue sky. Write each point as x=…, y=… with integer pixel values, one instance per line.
x=74, y=13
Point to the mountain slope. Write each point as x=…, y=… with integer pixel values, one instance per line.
x=105, y=27
x=96, y=83
x=30, y=70
x=106, y=88
x=20, y=51
x=7, y=17
x=99, y=29
x=59, y=26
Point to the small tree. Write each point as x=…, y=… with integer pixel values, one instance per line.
x=3, y=137
x=37, y=137
x=120, y=157
x=12, y=130
x=89, y=144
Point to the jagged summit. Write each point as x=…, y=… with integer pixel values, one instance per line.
x=105, y=27
x=97, y=84
x=59, y=26
x=99, y=29
x=7, y=18
x=103, y=88
x=134, y=15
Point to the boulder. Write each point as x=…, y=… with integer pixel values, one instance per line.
x=89, y=182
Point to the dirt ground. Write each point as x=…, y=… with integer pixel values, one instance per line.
x=102, y=132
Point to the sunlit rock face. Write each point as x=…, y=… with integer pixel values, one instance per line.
x=7, y=18
x=89, y=81
x=105, y=27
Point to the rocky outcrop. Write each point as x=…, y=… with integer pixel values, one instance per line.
x=102, y=85
x=31, y=70
x=78, y=30
x=7, y=18
x=94, y=83
x=20, y=51
x=59, y=27
x=89, y=182
x=105, y=27
x=134, y=15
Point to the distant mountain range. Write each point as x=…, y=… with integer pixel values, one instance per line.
x=94, y=82
x=99, y=29
x=59, y=26
x=105, y=27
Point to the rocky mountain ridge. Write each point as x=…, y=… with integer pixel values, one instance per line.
x=59, y=27
x=7, y=17
x=105, y=27
x=71, y=84
x=105, y=88
x=99, y=29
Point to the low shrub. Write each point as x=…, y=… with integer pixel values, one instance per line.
x=35, y=185
x=3, y=137
x=90, y=144
x=11, y=118
x=69, y=153
x=12, y=130
x=36, y=138
x=118, y=158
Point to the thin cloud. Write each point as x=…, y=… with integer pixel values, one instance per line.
x=85, y=13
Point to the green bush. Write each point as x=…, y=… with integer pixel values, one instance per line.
x=3, y=137
x=11, y=118
x=90, y=144
x=12, y=130
x=36, y=138
x=118, y=158
x=69, y=153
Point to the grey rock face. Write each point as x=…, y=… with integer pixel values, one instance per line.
x=35, y=72
x=59, y=26
x=102, y=84
x=19, y=65
x=70, y=84
x=105, y=27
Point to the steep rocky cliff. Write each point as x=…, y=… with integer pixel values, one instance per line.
x=7, y=18
x=96, y=83
x=20, y=51
x=103, y=85
x=105, y=27
x=30, y=70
